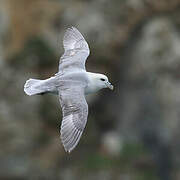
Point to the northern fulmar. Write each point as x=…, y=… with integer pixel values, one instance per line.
x=71, y=84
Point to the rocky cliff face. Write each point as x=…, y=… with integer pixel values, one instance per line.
x=132, y=133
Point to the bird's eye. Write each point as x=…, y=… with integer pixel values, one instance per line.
x=102, y=79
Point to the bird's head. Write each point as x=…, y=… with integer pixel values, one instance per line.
x=103, y=82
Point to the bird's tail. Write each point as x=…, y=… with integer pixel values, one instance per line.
x=36, y=86
x=32, y=87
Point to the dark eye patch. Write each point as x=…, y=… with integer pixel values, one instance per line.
x=102, y=79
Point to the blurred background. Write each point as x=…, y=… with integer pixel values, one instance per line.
x=132, y=132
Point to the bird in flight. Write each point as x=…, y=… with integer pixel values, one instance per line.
x=71, y=84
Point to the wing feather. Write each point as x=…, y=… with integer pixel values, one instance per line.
x=73, y=39
x=71, y=91
x=75, y=112
x=76, y=51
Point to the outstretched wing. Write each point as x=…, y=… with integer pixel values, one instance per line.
x=76, y=51
x=75, y=112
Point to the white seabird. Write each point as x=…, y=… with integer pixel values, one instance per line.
x=71, y=83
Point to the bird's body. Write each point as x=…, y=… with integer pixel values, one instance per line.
x=71, y=83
